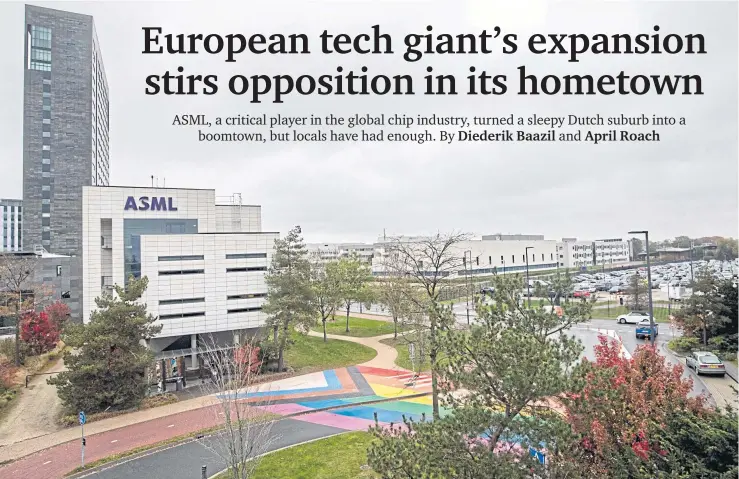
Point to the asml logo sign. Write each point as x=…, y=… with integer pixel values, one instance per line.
x=145, y=203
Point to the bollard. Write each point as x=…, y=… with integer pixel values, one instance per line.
x=204, y=472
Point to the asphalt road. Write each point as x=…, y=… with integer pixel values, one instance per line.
x=184, y=461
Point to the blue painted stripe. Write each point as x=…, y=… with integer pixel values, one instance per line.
x=332, y=382
x=368, y=412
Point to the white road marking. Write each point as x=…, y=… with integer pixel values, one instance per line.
x=171, y=425
x=113, y=441
x=47, y=462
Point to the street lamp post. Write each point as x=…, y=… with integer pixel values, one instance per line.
x=528, y=284
x=467, y=281
x=649, y=285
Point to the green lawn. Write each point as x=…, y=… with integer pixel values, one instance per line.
x=358, y=327
x=312, y=352
x=336, y=457
x=660, y=314
x=403, y=360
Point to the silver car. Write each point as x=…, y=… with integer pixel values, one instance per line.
x=703, y=362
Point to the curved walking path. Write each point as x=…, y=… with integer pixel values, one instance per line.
x=386, y=355
x=148, y=426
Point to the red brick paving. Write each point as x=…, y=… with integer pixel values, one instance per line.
x=59, y=460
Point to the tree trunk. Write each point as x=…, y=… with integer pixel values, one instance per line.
x=395, y=322
x=275, y=334
x=325, y=340
x=434, y=380
x=434, y=384
x=281, y=359
x=347, y=317
x=705, y=335
x=18, y=340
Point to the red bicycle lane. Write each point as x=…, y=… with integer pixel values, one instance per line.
x=59, y=460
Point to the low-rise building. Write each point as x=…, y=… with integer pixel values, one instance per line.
x=324, y=252
x=482, y=256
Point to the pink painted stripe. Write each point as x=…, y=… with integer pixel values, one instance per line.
x=283, y=409
x=372, y=371
x=336, y=420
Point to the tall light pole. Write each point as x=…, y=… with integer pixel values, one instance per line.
x=649, y=284
x=467, y=283
x=528, y=284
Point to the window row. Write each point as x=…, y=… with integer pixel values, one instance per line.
x=167, y=302
x=201, y=314
x=182, y=258
x=202, y=271
x=202, y=257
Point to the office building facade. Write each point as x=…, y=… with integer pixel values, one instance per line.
x=65, y=127
x=12, y=225
x=584, y=253
x=205, y=262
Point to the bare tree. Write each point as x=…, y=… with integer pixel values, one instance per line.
x=246, y=434
x=394, y=293
x=428, y=262
x=325, y=283
x=16, y=284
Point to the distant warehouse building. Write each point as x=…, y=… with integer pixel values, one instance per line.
x=205, y=262
x=482, y=256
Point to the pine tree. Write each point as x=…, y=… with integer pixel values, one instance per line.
x=107, y=364
x=290, y=296
x=705, y=311
x=498, y=380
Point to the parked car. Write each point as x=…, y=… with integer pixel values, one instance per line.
x=581, y=294
x=634, y=317
x=644, y=329
x=705, y=363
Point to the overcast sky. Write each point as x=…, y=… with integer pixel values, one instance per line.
x=686, y=184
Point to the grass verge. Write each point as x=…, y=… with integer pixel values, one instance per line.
x=358, y=327
x=403, y=360
x=343, y=456
x=308, y=352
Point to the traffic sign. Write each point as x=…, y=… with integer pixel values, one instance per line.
x=82, y=417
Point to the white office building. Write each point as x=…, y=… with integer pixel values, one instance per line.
x=324, y=252
x=583, y=253
x=205, y=262
x=485, y=256
x=12, y=225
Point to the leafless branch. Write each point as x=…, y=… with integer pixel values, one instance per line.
x=246, y=434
